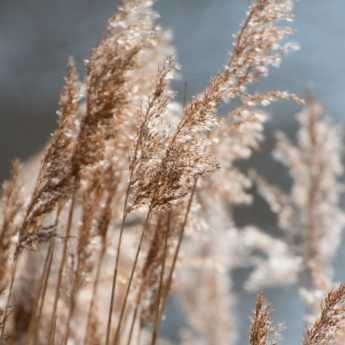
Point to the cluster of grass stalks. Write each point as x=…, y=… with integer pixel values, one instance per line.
x=131, y=201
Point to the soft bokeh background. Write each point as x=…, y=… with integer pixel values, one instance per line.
x=37, y=36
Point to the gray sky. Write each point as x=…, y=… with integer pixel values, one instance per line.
x=37, y=36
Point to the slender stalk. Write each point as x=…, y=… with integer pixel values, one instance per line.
x=116, y=267
x=9, y=297
x=123, y=221
x=161, y=283
x=44, y=292
x=130, y=281
x=34, y=322
x=161, y=279
x=175, y=257
x=107, y=215
x=94, y=294
x=134, y=318
x=71, y=308
x=52, y=326
x=79, y=269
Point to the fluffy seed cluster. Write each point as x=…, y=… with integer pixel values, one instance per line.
x=133, y=198
x=310, y=215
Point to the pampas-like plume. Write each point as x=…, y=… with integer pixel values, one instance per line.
x=151, y=142
x=187, y=152
x=227, y=140
x=330, y=325
x=12, y=204
x=310, y=215
x=54, y=180
x=262, y=331
x=119, y=78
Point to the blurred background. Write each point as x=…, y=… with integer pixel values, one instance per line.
x=38, y=36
